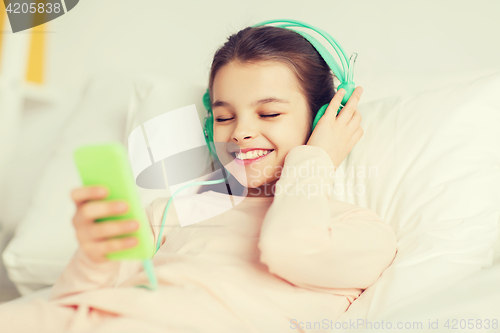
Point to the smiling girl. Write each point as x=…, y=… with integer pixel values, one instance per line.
x=287, y=257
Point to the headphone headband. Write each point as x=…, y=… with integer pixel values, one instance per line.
x=345, y=73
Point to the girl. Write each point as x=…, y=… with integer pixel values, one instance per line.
x=286, y=257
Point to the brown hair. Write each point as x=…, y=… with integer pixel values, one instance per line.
x=269, y=43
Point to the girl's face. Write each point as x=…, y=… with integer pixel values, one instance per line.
x=258, y=106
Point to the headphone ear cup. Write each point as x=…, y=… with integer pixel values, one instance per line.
x=208, y=126
x=320, y=114
x=206, y=101
x=210, y=129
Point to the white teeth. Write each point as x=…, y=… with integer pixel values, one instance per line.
x=252, y=154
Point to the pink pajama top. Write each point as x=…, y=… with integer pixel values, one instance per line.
x=292, y=262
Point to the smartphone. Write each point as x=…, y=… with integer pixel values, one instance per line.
x=107, y=165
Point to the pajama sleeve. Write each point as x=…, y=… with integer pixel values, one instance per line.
x=315, y=242
x=82, y=274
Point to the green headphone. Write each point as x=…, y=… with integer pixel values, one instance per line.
x=344, y=74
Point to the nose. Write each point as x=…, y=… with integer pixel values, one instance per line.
x=243, y=131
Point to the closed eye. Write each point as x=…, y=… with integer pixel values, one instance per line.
x=262, y=115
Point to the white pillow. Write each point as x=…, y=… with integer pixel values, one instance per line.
x=435, y=159
x=44, y=240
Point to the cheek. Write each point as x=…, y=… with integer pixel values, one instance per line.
x=220, y=140
x=288, y=140
x=284, y=147
x=294, y=132
x=216, y=134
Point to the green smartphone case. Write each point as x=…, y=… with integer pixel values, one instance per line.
x=107, y=165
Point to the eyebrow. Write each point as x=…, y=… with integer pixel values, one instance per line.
x=259, y=102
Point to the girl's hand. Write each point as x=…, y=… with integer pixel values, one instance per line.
x=337, y=135
x=93, y=236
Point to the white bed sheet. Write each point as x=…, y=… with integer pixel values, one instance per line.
x=472, y=301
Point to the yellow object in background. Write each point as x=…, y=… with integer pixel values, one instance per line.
x=36, y=56
x=3, y=15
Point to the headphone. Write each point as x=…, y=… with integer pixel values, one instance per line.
x=344, y=75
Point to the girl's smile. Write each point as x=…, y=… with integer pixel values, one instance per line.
x=251, y=159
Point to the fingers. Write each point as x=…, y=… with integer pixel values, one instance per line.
x=355, y=97
x=103, y=231
x=101, y=209
x=98, y=250
x=98, y=239
x=84, y=194
x=113, y=245
x=90, y=211
x=347, y=112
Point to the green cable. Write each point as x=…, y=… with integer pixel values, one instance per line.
x=149, y=269
x=208, y=182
